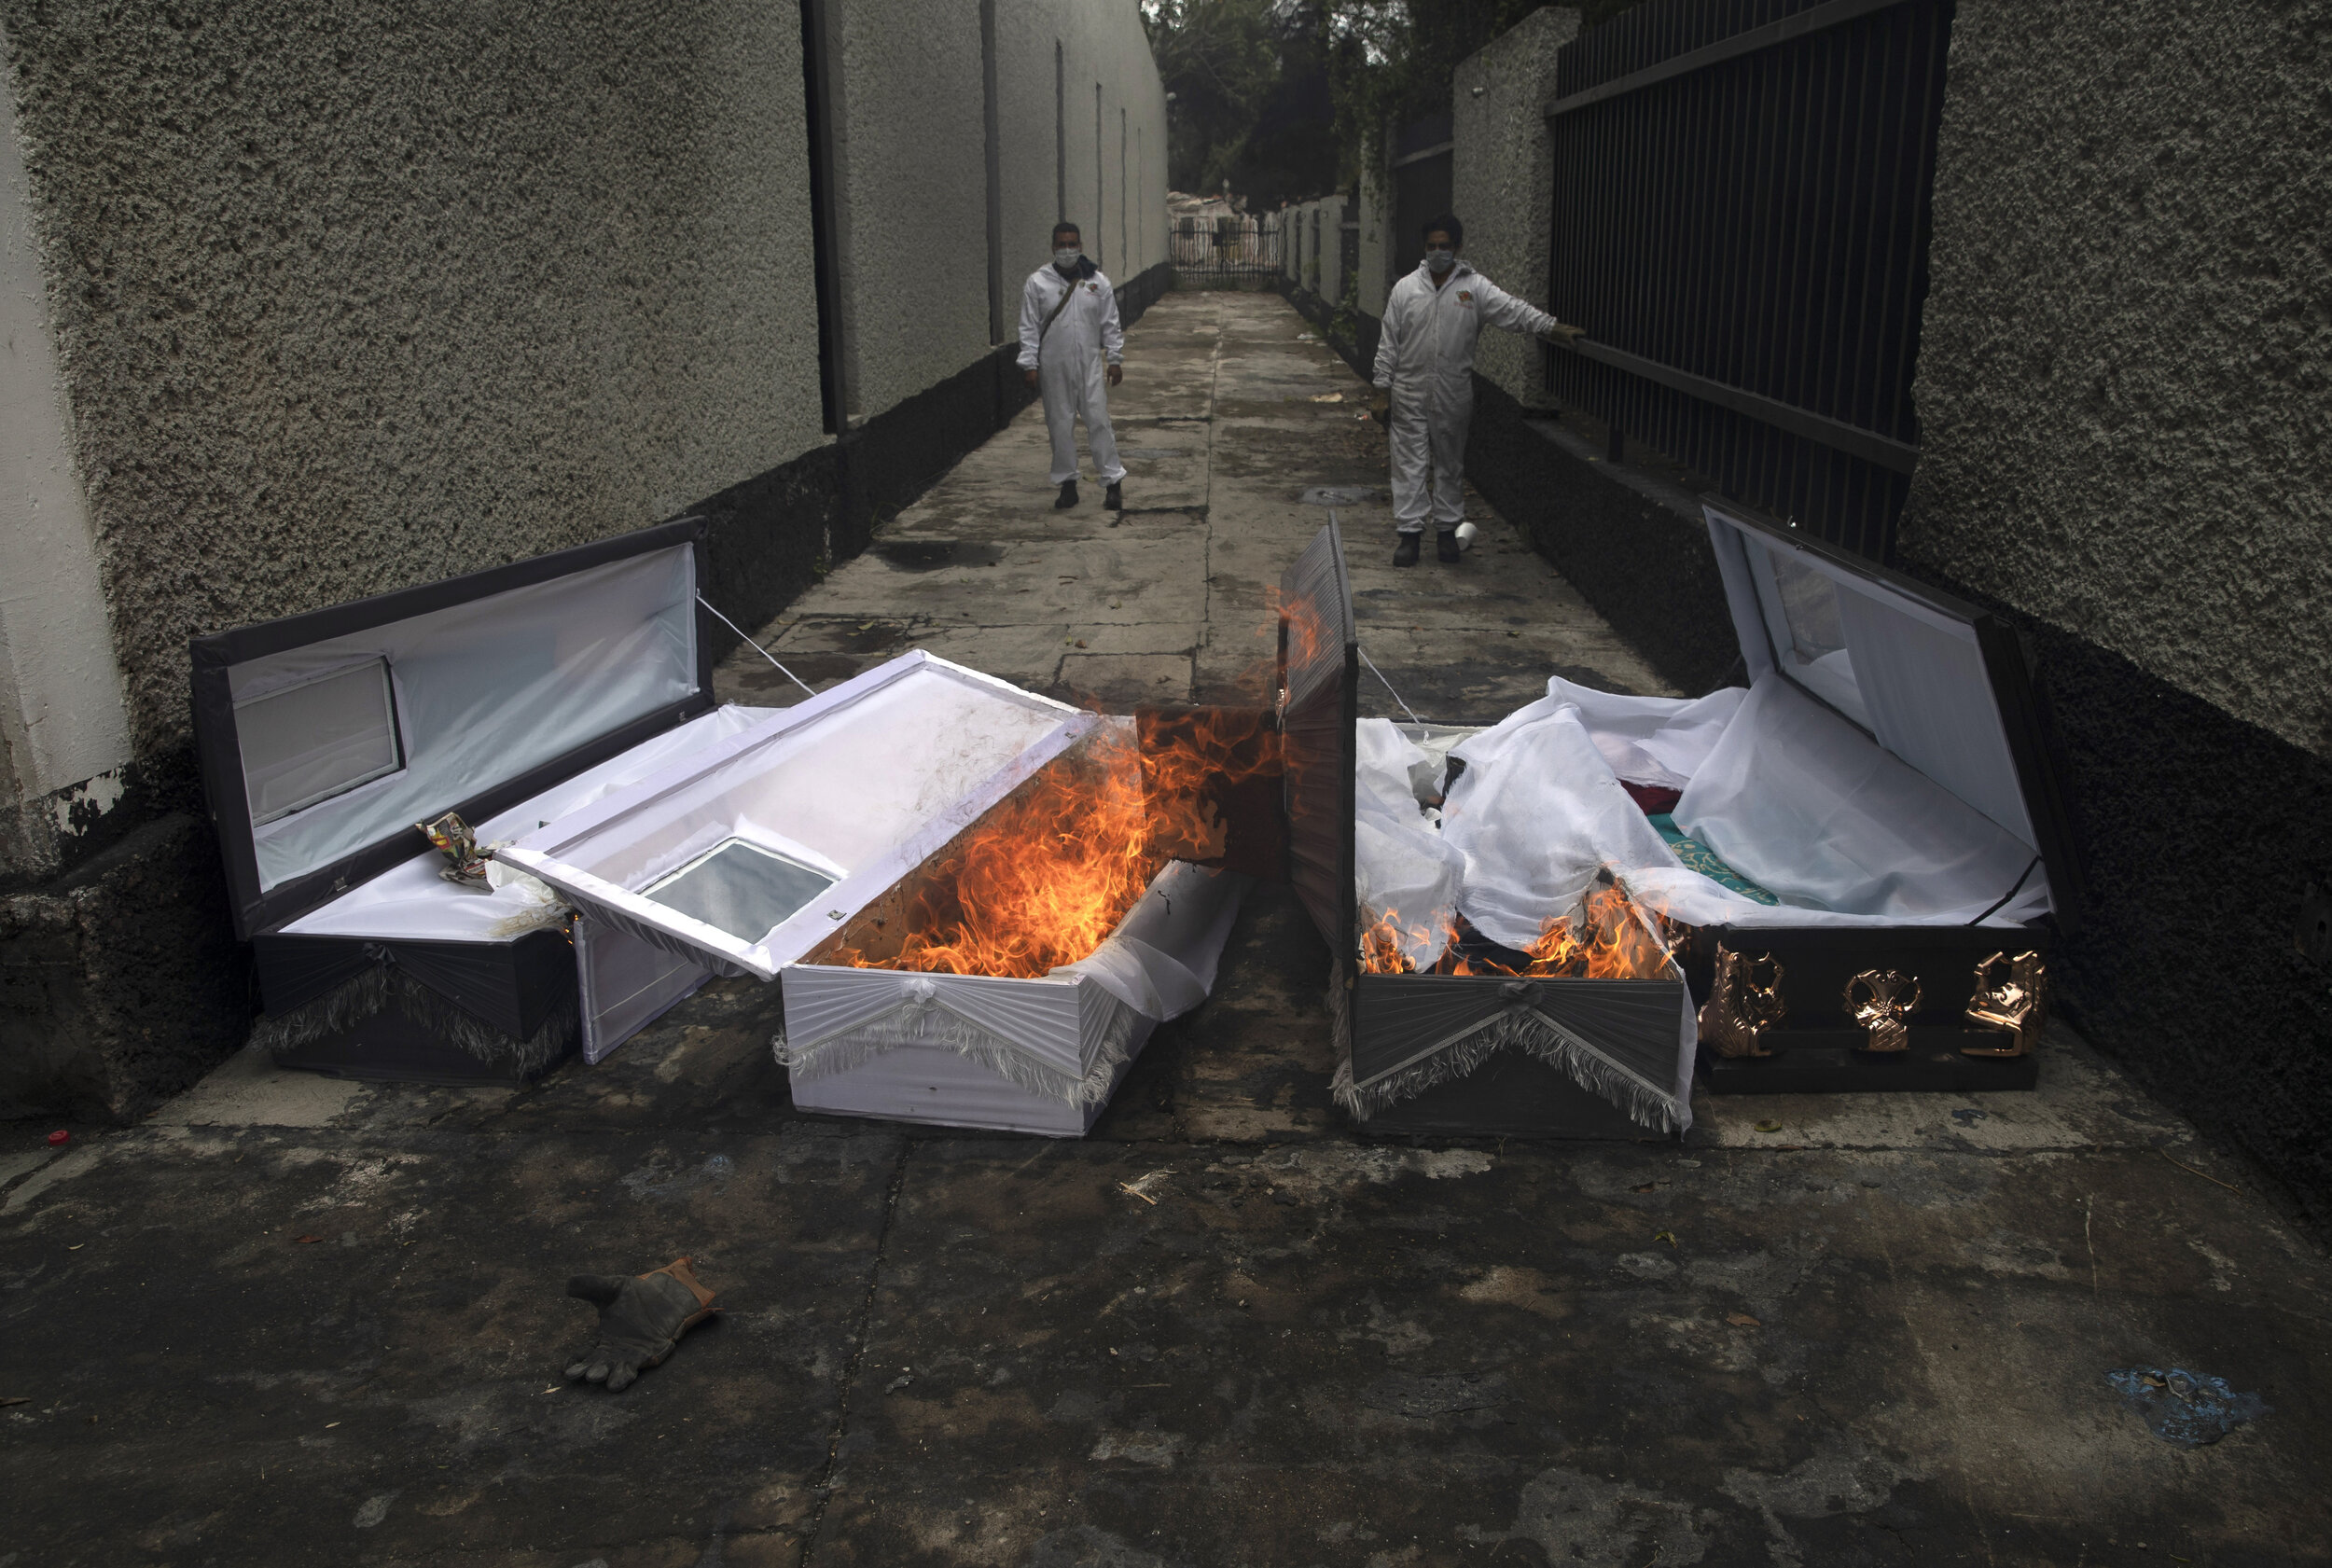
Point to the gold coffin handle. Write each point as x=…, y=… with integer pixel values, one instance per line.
x=1882, y=1011
x=2010, y=996
x=1741, y=1010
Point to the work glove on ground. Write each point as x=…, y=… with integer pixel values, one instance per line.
x=641, y=1318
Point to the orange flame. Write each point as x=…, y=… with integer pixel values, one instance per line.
x=1613, y=940
x=1049, y=873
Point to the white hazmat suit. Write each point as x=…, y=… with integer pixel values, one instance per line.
x=1071, y=376
x=1426, y=359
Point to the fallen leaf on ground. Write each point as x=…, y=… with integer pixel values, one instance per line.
x=1647, y=1186
x=307, y=1240
x=1769, y=1127
x=1743, y=1320
x=1668, y=1236
x=1328, y=398
x=16, y=1399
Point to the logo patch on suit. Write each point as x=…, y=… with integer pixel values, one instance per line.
x=1465, y=296
x=1093, y=288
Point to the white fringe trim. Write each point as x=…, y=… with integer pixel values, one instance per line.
x=916, y=1022
x=1516, y=1029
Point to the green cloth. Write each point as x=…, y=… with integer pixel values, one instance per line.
x=1697, y=856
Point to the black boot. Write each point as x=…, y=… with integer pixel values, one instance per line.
x=1445, y=545
x=1068, y=498
x=1111, y=501
x=1405, y=553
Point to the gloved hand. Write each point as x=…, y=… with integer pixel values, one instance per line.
x=1116, y=374
x=640, y=1320
x=1563, y=332
x=1029, y=376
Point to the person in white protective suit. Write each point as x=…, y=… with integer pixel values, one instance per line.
x=1425, y=362
x=1068, y=329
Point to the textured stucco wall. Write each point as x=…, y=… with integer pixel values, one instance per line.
x=913, y=191
x=2125, y=377
x=1502, y=181
x=355, y=296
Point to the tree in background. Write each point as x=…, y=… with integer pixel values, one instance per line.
x=1286, y=100
x=1252, y=110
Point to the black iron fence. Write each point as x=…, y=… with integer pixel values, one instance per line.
x=1741, y=224
x=1231, y=247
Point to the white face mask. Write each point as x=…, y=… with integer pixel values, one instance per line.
x=1067, y=259
x=1440, y=261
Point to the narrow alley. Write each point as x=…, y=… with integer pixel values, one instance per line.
x=1223, y=1330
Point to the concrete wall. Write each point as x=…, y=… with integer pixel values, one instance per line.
x=1123, y=219
x=1503, y=181
x=355, y=296
x=2125, y=400
x=912, y=180
x=2125, y=382
x=911, y=97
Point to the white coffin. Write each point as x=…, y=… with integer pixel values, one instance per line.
x=1040, y=1056
x=758, y=851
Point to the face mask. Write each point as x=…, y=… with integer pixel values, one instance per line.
x=1067, y=259
x=1440, y=261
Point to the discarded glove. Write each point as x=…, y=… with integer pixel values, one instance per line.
x=640, y=1320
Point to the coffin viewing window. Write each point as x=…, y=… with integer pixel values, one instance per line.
x=324, y=737
x=741, y=888
x=1801, y=615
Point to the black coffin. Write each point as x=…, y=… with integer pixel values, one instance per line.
x=324, y=738
x=1945, y=690
x=1447, y=1054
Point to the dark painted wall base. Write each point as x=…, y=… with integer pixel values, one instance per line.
x=120, y=981
x=2193, y=827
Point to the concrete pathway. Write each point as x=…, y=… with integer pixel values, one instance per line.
x=1231, y=414
x=295, y=1321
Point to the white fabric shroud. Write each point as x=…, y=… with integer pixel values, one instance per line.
x=1408, y=873
x=1535, y=815
x=1791, y=795
x=1800, y=801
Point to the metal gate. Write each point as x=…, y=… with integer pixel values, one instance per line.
x=1232, y=246
x=1741, y=214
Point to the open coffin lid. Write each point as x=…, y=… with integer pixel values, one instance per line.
x=511, y=696
x=1854, y=671
x=325, y=737
x=752, y=852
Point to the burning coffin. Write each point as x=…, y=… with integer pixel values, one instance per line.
x=962, y=887
x=507, y=698
x=1857, y=863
